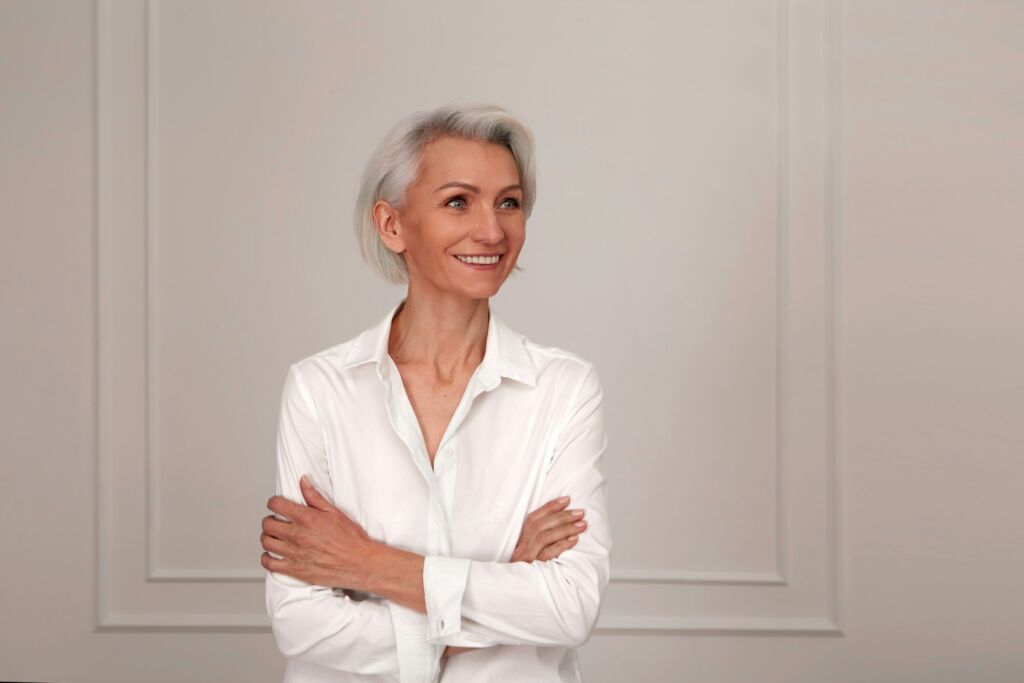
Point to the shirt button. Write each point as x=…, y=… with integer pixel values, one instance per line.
x=441, y=623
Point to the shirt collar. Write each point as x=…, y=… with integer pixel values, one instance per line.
x=505, y=354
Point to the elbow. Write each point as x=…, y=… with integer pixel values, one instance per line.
x=577, y=631
x=291, y=629
x=289, y=644
x=282, y=625
x=294, y=639
x=578, y=609
x=302, y=628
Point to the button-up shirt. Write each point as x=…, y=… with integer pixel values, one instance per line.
x=529, y=428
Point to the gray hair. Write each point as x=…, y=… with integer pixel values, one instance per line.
x=395, y=163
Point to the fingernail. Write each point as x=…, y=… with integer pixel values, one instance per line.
x=580, y=524
x=563, y=499
x=303, y=480
x=577, y=513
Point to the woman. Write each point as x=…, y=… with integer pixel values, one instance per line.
x=410, y=457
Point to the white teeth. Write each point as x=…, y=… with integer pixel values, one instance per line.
x=480, y=260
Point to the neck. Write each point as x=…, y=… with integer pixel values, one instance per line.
x=444, y=334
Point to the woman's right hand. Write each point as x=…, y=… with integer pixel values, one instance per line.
x=549, y=531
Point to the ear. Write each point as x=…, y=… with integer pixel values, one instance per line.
x=388, y=226
x=314, y=498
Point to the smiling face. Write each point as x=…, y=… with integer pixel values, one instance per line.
x=466, y=201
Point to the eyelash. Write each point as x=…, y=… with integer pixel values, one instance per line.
x=463, y=199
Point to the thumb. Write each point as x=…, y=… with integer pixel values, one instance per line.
x=314, y=498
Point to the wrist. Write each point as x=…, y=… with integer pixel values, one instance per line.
x=373, y=560
x=394, y=574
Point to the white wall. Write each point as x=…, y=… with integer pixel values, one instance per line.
x=805, y=214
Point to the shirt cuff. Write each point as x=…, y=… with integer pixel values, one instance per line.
x=444, y=582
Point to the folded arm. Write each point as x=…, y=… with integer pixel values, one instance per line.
x=546, y=602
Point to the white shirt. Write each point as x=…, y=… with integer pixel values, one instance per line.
x=529, y=428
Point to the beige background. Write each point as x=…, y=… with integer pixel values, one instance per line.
x=789, y=235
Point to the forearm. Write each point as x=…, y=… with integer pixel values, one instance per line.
x=394, y=574
x=542, y=603
x=398, y=575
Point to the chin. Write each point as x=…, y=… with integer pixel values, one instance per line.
x=480, y=292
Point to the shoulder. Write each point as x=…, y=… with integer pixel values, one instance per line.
x=333, y=356
x=560, y=366
x=323, y=367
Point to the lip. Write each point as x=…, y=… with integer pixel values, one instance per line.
x=477, y=266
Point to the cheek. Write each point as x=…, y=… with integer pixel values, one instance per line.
x=516, y=238
x=429, y=244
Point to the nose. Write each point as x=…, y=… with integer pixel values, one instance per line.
x=488, y=228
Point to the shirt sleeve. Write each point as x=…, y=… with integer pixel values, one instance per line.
x=542, y=603
x=318, y=624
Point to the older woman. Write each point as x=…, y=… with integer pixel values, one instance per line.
x=426, y=466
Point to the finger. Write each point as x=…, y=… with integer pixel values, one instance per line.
x=558, y=519
x=277, y=527
x=313, y=497
x=561, y=532
x=555, y=549
x=526, y=552
x=549, y=507
x=277, y=546
x=289, y=509
x=273, y=564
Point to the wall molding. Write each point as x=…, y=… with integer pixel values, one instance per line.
x=625, y=576
x=110, y=620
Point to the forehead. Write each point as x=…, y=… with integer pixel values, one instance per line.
x=474, y=161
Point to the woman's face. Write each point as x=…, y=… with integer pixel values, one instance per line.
x=467, y=201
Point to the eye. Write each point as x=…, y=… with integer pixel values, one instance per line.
x=457, y=198
x=515, y=202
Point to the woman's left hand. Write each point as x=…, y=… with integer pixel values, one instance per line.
x=320, y=544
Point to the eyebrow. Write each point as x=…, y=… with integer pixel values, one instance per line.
x=474, y=188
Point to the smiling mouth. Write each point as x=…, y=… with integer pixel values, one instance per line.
x=479, y=260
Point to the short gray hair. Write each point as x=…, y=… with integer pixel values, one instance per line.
x=394, y=166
